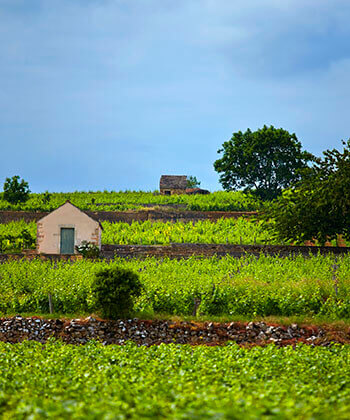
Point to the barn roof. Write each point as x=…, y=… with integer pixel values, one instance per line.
x=178, y=182
x=196, y=191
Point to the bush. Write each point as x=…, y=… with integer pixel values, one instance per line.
x=16, y=191
x=88, y=249
x=114, y=290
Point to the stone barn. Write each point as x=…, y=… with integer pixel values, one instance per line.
x=66, y=227
x=172, y=184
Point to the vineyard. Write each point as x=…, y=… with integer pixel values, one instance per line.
x=224, y=231
x=15, y=236
x=230, y=231
x=131, y=200
x=173, y=382
x=228, y=286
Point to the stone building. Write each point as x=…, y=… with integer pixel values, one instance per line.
x=66, y=227
x=172, y=184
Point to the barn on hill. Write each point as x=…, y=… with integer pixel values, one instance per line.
x=172, y=184
x=65, y=228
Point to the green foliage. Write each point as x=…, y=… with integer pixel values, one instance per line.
x=134, y=200
x=173, y=382
x=114, y=291
x=46, y=197
x=16, y=190
x=318, y=207
x=88, y=249
x=247, y=286
x=192, y=182
x=16, y=236
x=224, y=231
x=264, y=161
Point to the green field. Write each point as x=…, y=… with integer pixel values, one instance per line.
x=228, y=286
x=130, y=200
x=173, y=382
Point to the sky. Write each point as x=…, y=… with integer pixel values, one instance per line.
x=111, y=94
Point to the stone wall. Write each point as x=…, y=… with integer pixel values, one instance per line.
x=187, y=251
x=209, y=250
x=153, y=332
x=33, y=255
x=14, y=216
x=130, y=216
x=187, y=216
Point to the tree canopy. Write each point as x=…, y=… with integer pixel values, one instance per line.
x=16, y=190
x=318, y=207
x=264, y=162
x=192, y=182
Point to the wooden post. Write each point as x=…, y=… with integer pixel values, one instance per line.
x=50, y=304
x=335, y=279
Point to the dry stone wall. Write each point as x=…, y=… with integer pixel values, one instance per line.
x=130, y=216
x=15, y=216
x=187, y=251
x=209, y=250
x=153, y=332
x=33, y=255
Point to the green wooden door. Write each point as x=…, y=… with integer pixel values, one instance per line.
x=67, y=241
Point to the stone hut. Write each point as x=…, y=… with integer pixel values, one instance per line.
x=66, y=227
x=172, y=184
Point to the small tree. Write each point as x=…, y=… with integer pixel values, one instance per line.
x=114, y=290
x=318, y=207
x=264, y=162
x=192, y=182
x=16, y=190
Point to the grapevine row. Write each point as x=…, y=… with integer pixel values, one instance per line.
x=227, y=286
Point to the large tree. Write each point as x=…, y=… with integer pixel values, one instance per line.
x=318, y=207
x=264, y=161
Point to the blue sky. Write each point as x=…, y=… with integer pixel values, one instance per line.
x=110, y=94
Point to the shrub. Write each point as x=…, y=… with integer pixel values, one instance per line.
x=46, y=197
x=88, y=249
x=114, y=290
